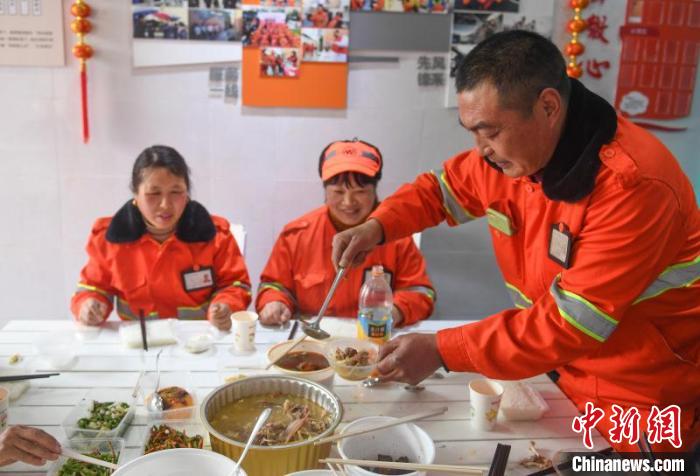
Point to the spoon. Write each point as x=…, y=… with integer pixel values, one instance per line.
x=313, y=329
x=258, y=424
x=155, y=403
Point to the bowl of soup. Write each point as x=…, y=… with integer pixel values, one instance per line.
x=306, y=360
x=303, y=411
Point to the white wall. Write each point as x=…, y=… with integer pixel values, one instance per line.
x=253, y=166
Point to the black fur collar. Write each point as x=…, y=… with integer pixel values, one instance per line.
x=591, y=122
x=195, y=225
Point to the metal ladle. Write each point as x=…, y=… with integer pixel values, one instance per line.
x=258, y=425
x=155, y=403
x=313, y=329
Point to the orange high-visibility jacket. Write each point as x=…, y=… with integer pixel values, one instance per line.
x=128, y=268
x=621, y=324
x=300, y=271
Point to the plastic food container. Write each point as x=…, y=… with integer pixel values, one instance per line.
x=169, y=379
x=103, y=445
x=190, y=427
x=158, y=332
x=195, y=340
x=521, y=402
x=406, y=439
x=56, y=350
x=352, y=372
x=83, y=408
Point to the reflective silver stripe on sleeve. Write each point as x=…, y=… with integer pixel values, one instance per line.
x=583, y=315
x=193, y=313
x=277, y=287
x=520, y=300
x=675, y=276
x=84, y=288
x=242, y=285
x=421, y=289
x=124, y=311
x=449, y=202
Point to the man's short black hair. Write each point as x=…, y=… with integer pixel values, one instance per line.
x=519, y=64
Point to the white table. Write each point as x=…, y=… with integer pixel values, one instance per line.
x=104, y=362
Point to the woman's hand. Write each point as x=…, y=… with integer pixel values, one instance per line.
x=29, y=445
x=92, y=312
x=219, y=314
x=275, y=313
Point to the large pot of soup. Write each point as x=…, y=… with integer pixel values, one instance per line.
x=302, y=412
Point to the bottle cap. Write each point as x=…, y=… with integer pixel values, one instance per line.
x=377, y=270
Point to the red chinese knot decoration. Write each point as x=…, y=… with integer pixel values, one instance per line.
x=575, y=48
x=81, y=50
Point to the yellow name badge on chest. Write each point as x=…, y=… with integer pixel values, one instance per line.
x=500, y=221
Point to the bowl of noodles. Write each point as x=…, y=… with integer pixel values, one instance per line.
x=302, y=412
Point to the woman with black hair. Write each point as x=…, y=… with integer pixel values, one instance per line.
x=162, y=254
x=299, y=271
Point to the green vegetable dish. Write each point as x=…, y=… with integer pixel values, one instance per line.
x=74, y=467
x=104, y=416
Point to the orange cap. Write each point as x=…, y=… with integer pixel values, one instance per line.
x=350, y=156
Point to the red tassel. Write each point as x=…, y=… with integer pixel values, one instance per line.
x=84, y=101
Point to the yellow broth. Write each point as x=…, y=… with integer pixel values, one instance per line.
x=293, y=419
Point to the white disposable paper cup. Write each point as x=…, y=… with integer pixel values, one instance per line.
x=485, y=398
x=4, y=406
x=243, y=325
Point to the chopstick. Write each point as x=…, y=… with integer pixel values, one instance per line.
x=12, y=378
x=293, y=331
x=142, y=321
x=288, y=350
x=500, y=460
x=447, y=468
x=399, y=421
x=86, y=459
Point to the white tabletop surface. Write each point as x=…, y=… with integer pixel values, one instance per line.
x=103, y=361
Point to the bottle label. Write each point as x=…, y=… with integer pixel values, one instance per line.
x=375, y=330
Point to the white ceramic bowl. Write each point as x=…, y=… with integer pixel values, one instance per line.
x=406, y=439
x=323, y=376
x=179, y=462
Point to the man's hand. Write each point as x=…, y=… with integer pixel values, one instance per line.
x=350, y=247
x=29, y=445
x=275, y=313
x=92, y=312
x=219, y=314
x=409, y=358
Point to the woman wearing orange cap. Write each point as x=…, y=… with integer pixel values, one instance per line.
x=299, y=271
x=162, y=254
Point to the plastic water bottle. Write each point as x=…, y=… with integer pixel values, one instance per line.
x=374, y=319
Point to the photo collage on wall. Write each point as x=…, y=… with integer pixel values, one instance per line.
x=405, y=6
x=197, y=20
x=326, y=30
x=288, y=33
x=476, y=20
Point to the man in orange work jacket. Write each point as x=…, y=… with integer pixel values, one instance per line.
x=299, y=272
x=596, y=231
